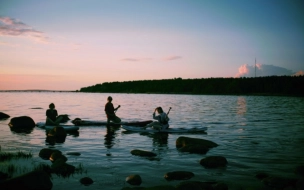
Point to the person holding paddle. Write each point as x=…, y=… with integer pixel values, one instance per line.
x=162, y=119
x=110, y=111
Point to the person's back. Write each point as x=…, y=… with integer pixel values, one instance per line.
x=51, y=116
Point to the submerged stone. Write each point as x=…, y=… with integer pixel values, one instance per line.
x=86, y=181
x=178, y=175
x=187, y=141
x=214, y=161
x=137, y=152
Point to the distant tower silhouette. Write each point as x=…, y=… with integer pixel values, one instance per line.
x=255, y=67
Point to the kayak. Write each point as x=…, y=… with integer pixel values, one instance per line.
x=169, y=130
x=50, y=127
x=80, y=122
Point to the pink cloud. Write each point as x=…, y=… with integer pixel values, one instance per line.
x=13, y=27
x=243, y=70
x=171, y=58
x=299, y=73
x=130, y=59
x=262, y=70
x=136, y=59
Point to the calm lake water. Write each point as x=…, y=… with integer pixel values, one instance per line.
x=255, y=134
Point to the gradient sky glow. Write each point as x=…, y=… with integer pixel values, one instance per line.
x=66, y=45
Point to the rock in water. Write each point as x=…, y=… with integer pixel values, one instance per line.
x=23, y=122
x=134, y=180
x=86, y=181
x=178, y=175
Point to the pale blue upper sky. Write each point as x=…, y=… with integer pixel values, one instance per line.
x=76, y=43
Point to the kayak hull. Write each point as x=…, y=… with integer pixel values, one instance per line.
x=50, y=127
x=169, y=130
x=80, y=122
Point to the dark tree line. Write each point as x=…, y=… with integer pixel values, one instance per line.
x=272, y=85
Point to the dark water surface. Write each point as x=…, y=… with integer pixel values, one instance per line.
x=255, y=134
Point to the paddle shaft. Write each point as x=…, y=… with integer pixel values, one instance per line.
x=169, y=111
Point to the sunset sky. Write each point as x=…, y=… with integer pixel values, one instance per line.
x=66, y=45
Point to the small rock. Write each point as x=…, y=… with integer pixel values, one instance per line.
x=3, y=115
x=86, y=181
x=46, y=153
x=142, y=153
x=184, y=141
x=134, y=180
x=74, y=153
x=56, y=155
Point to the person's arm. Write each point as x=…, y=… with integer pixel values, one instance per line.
x=117, y=108
x=156, y=117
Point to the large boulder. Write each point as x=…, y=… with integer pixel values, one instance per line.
x=3, y=115
x=22, y=122
x=144, y=153
x=178, y=175
x=32, y=180
x=214, y=161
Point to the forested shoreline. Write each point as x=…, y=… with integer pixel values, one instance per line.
x=271, y=85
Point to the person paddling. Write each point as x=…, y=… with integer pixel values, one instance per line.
x=52, y=117
x=110, y=111
x=162, y=120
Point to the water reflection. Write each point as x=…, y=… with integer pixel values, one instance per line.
x=158, y=139
x=241, y=106
x=110, y=136
x=53, y=136
x=18, y=130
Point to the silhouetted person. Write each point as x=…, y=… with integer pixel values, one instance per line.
x=52, y=116
x=162, y=120
x=110, y=111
